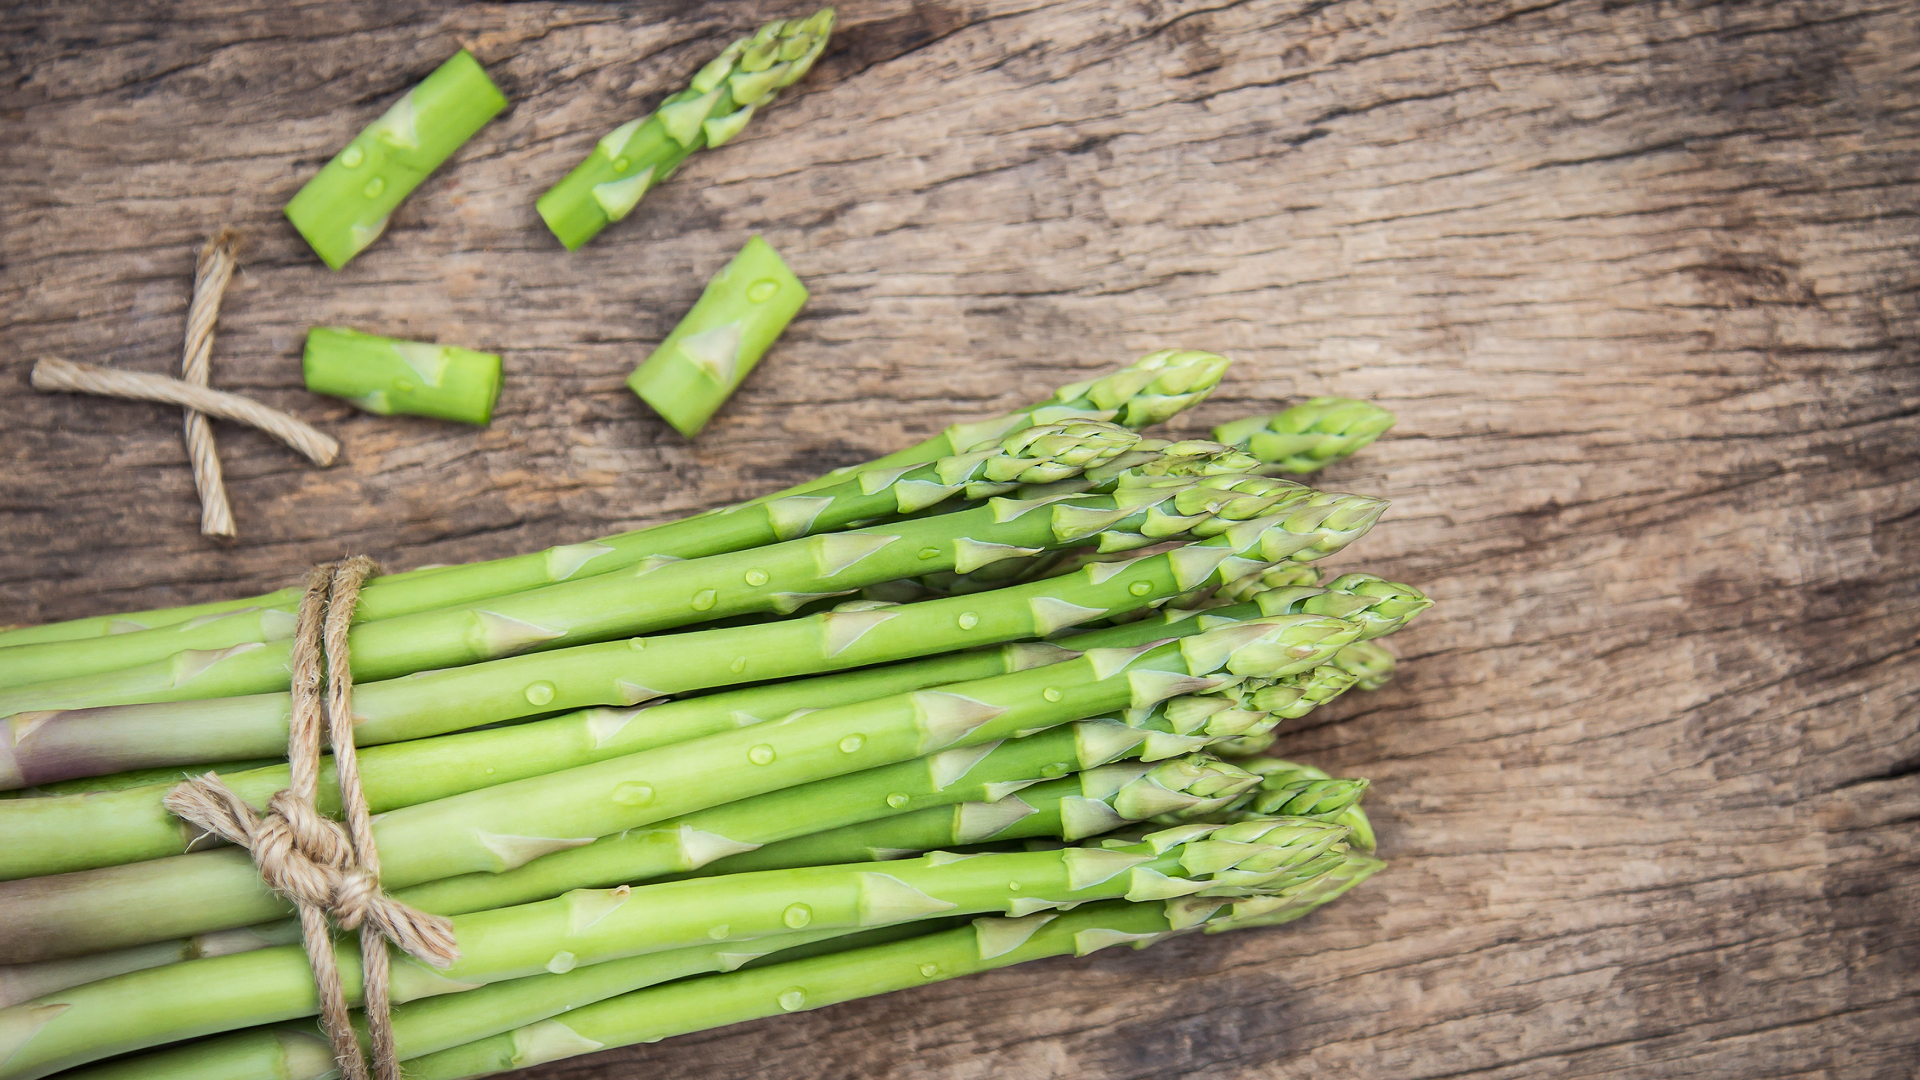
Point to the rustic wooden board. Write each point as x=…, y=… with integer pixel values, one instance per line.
x=1639, y=279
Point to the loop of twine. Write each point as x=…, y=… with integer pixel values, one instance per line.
x=324, y=867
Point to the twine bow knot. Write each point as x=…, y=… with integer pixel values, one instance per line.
x=326, y=868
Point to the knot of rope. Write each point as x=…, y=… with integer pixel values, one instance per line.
x=328, y=869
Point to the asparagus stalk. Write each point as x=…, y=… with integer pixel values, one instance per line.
x=676, y=846
x=713, y=109
x=57, y=745
x=146, y=1008
x=1288, y=787
x=1070, y=808
x=909, y=788
x=386, y=375
x=499, y=828
x=459, y=1022
x=742, y=581
x=426, y=1025
x=224, y=659
x=104, y=829
x=345, y=207
x=710, y=353
x=1149, y=391
x=716, y=1001
x=1309, y=436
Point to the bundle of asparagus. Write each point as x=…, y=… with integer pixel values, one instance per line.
x=1001, y=662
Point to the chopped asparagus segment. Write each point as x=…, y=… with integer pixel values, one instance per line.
x=706, y=358
x=346, y=207
x=386, y=375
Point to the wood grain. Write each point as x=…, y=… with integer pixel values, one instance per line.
x=1640, y=280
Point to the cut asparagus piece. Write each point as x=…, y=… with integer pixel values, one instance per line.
x=723, y=96
x=1042, y=452
x=1149, y=391
x=386, y=375
x=499, y=828
x=709, y=354
x=146, y=1008
x=1310, y=435
x=345, y=207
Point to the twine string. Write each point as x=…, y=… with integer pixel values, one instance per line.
x=325, y=868
x=212, y=271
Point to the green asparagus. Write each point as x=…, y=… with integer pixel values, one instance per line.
x=55, y=745
x=512, y=623
x=146, y=1008
x=385, y=375
x=499, y=828
x=635, y=156
x=709, y=354
x=345, y=207
x=1149, y=391
x=1310, y=435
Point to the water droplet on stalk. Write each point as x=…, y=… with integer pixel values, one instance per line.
x=1051, y=693
x=561, y=963
x=374, y=187
x=929, y=970
x=703, y=600
x=633, y=793
x=1140, y=588
x=351, y=157
x=797, y=916
x=968, y=620
x=793, y=998
x=762, y=291
x=718, y=933
x=540, y=693
x=761, y=755
x=756, y=577
x=897, y=800
x=851, y=743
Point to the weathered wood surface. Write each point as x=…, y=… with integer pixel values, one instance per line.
x=1639, y=279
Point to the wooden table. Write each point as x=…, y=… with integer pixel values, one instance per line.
x=1639, y=279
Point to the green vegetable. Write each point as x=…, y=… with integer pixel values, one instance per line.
x=1149, y=391
x=635, y=156
x=386, y=376
x=145, y=1008
x=1308, y=526
x=346, y=206
x=499, y=828
x=1310, y=435
x=708, y=355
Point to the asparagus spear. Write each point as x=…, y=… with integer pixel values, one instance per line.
x=713, y=109
x=1288, y=787
x=499, y=828
x=464, y=1024
x=52, y=746
x=709, y=354
x=300, y=1052
x=386, y=375
x=716, y=1001
x=1070, y=808
x=1310, y=435
x=345, y=207
x=682, y=844
x=142, y=1009
x=104, y=829
x=1149, y=391
x=225, y=657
